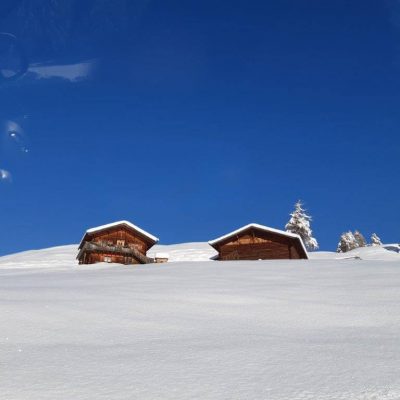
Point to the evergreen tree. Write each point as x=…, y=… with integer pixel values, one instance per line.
x=347, y=242
x=299, y=223
x=358, y=236
x=375, y=240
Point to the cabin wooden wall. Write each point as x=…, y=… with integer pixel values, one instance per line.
x=256, y=245
x=110, y=237
x=97, y=257
x=294, y=253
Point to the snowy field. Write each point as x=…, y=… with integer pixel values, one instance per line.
x=318, y=329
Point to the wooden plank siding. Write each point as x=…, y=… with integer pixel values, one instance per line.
x=254, y=244
x=97, y=257
x=111, y=237
x=117, y=244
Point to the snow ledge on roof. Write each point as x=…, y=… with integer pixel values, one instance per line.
x=261, y=227
x=133, y=226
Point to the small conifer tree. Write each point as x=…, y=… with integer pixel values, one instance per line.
x=358, y=236
x=375, y=240
x=347, y=242
x=299, y=223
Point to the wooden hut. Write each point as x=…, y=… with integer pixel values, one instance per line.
x=258, y=242
x=119, y=242
x=161, y=258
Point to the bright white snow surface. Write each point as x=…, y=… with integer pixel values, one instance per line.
x=309, y=329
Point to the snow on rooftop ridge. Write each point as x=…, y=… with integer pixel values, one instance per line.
x=123, y=222
x=261, y=227
x=253, y=225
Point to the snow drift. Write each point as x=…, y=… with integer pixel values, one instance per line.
x=305, y=329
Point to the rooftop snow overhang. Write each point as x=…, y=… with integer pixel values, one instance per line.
x=223, y=238
x=128, y=224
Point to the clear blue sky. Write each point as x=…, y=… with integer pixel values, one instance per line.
x=198, y=117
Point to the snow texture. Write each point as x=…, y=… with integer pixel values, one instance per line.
x=161, y=255
x=197, y=251
x=321, y=329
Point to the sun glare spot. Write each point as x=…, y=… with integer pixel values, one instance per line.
x=16, y=135
x=5, y=176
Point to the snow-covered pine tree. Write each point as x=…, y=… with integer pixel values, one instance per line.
x=375, y=240
x=299, y=223
x=360, y=239
x=347, y=242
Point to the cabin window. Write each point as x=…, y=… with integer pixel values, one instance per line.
x=107, y=259
x=120, y=242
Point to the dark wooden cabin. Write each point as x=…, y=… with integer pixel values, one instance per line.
x=258, y=242
x=120, y=242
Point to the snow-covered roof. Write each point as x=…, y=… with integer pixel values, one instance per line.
x=161, y=255
x=127, y=223
x=261, y=227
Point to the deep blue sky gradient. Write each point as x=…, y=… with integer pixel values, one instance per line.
x=200, y=118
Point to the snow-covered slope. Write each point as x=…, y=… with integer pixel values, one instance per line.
x=54, y=257
x=57, y=257
x=379, y=253
x=382, y=253
x=385, y=252
x=308, y=329
x=198, y=251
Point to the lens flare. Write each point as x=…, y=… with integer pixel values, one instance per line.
x=13, y=134
x=5, y=176
x=16, y=135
